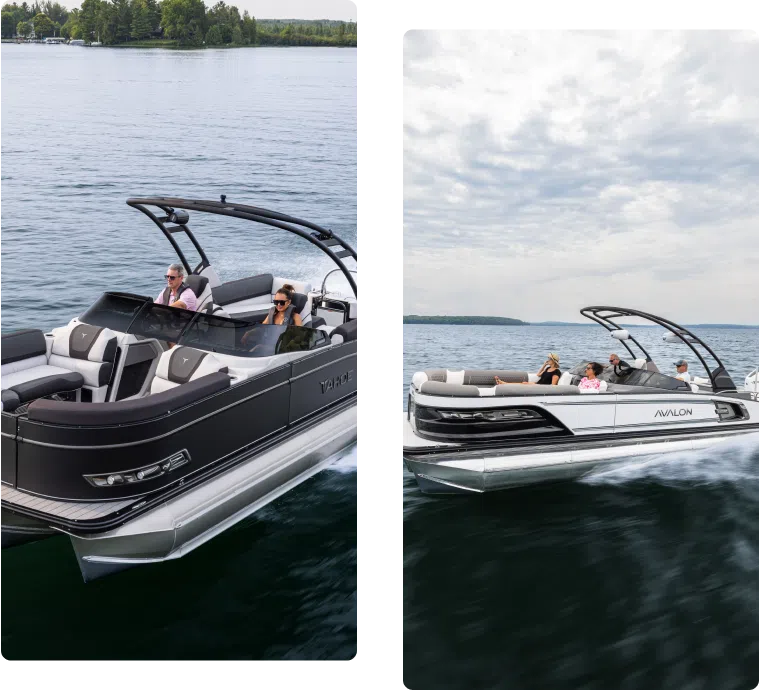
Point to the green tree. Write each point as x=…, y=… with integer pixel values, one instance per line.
x=23, y=29
x=43, y=27
x=184, y=20
x=57, y=12
x=8, y=25
x=248, y=27
x=237, y=38
x=71, y=28
x=88, y=15
x=214, y=36
x=142, y=20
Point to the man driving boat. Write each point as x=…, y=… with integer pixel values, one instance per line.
x=177, y=293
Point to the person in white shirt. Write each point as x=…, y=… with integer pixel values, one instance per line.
x=682, y=370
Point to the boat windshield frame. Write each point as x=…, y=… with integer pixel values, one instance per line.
x=606, y=317
x=324, y=239
x=143, y=317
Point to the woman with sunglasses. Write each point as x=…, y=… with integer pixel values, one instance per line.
x=591, y=381
x=283, y=312
x=548, y=375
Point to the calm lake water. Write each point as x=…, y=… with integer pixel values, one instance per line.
x=641, y=577
x=82, y=131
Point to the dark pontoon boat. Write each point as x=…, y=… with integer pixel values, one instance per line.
x=143, y=430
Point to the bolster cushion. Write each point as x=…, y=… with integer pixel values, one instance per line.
x=47, y=385
x=23, y=345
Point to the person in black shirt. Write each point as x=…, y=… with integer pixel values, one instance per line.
x=548, y=375
x=621, y=368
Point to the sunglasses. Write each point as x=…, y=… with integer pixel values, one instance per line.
x=171, y=277
x=280, y=302
x=613, y=360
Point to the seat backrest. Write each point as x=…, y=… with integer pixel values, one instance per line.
x=23, y=350
x=640, y=364
x=566, y=378
x=199, y=285
x=214, y=309
x=89, y=350
x=302, y=304
x=299, y=285
x=184, y=364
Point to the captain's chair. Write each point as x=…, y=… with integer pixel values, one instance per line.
x=199, y=285
x=182, y=365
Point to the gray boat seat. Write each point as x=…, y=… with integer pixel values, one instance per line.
x=88, y=350
x=516, y=390
x=470, y=377
x=181, y=365
x=26, y=374
x=200, y=287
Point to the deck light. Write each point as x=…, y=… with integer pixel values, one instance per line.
x=140, y=474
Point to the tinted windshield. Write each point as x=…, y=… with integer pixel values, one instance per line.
x=250, y=340
x=141, y=316
x=114, y=310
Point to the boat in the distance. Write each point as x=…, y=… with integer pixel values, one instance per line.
x=142, y=430
x=464, y=434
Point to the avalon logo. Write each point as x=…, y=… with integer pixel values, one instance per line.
x=336, y=381
x=674, y=413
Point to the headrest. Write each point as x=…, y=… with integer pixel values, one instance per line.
x=183, y=364
x=196, y=283
x=300, y=301
x=82, y=341
x=299, y=285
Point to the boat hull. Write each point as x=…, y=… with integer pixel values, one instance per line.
x=460, y=470
x=183, y=524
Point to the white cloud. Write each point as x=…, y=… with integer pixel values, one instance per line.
x=554, y=170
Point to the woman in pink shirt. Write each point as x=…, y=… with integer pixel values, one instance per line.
x=591, y=381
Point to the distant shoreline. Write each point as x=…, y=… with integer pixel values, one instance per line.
x=414, y=319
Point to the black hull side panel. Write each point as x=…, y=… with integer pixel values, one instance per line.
x=53, y=459
x=8, y=448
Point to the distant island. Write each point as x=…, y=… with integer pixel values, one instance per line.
x=504, y=321
x=465, y=320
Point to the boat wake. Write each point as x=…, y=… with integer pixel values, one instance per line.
x=346, y=461
x=732, y=461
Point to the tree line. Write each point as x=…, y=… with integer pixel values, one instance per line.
x=185, y=22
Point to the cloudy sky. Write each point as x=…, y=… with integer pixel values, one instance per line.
x=544, y=172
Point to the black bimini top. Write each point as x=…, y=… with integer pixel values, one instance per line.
x=606, y=317
x=334, y=247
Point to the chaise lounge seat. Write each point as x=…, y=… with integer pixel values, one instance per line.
x=26, y=374
x=79, y=355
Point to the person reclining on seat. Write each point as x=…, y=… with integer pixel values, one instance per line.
x=176, y=293
x=548, y=375
x=591, y=381
x=283, y=312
